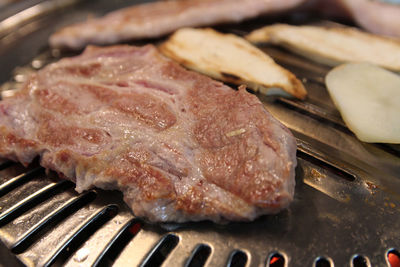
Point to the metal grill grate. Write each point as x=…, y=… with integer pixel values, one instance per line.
x=345, y=213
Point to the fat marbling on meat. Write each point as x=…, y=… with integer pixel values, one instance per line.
x=179, y=145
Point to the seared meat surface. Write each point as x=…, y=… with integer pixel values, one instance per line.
x=179, y=145
x=156, y=19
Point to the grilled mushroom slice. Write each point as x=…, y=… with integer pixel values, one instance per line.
x=332, y=46
x=231, y=59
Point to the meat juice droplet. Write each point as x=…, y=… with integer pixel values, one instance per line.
x=81, y=255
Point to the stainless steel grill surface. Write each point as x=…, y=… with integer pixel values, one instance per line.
x=346, y=210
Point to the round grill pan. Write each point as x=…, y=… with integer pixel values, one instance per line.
x=346, y=210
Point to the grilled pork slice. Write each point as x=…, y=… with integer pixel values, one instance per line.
x=332, y=46
x=375, y=16
x=232, y=59
x=159, y=18
x=179, y=145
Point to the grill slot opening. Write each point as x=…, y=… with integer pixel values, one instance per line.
x=389, y=148
x=276, y=260
x=33, y=200
x=51, y=220
x=393, y=257
x=360, y=261
x=316, y=113
x=237, y=259
x=326, y=165
x=72, y=245
x=117, y=244
x=199, y=256
x=291, y=60
x=323, y=262
x=6, y=164
x=13, y=183
x=161, y=251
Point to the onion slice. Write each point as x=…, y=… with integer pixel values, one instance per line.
x=368, y=98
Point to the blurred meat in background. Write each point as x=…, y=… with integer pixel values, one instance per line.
x=6, y=2
x=376, y=16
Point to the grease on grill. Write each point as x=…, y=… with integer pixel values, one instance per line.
x=317, y=175
x=390, y=205
x=326, y=165
x=371, y=187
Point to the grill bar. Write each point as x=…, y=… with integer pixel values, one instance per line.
x=30, y=13
x=140, y=246
x=33, y=199
x=57, y=238
x=11, y=171
x=90, y=226
x=110, y=252
x=52, y=218
x=18, y=180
